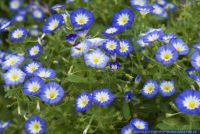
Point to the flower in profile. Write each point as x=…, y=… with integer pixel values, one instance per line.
x=161, y=2
x=53, y=23
x=37, y=13
x=19, y=17
x=57, y=7
x=14, y=76
x=35, y=51
x=128, y=129
x=102, y=97
x=35, y=125
x=111, y=31
x=96, y=59
x=15, y=4
x=153, y=36
x=157, y=10
x=144, y=10
x=52, y=93
x=6, y=25
x=82, y=18
x=12, y=61
x=33, y=86
x=81, y=32
x=139, y=124
x=170, y=6
x=188, y=101
x=180, y=46
x=195, y=60
x=125, y=47
x=139, y=2
x=128, y=96
x=71, y=38
x=166, y=88
x=96, y=42
x=114, y=66
x=166, y=54
x=193, y=74
x=4, y=125
x=196, y=46
x=123, y=18
x=30, y=67
x=167, y=37
x=138, y=78
x=111, y=46
x=18, y=34
x=45, y=73
x=80, y=49
x=150, y=89
x=83, y=101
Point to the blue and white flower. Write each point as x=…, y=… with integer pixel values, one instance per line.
x=196, y=46
x=34, y=32
x=128, y=129
x=31, y=67
x=15, y=4
x=144, y=10
x=111, y=31
x=153, y=36
x=111, y=46
x=80, y=49
x=19, y=17
x=170, y=6
x=58, y=7
x=83, y=101
x=18, y=34
x=4, y=125
x=139, y=2
x=37, y=13
x=125, y=47
x=158, y=10
x=139, y=124
x=81, y=32
x=114, y=66
x=195, y=60
x=180, y=46
x=167, y=37
x=150, y=89
x=35, y=51
x=12, y=61
x=128, y=96
x=71, y=38
x=45, y=73
x=166, y=88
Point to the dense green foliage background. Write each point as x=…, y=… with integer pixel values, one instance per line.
x=160, y=112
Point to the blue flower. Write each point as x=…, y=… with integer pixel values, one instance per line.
x=167, y=37
x=81, y=32
x=161, y=2
x=96, y=42
x=111, y=46
x=128, y=96
x=128, y=129
x=19, y=17
x=6, y=25
x=83, y=101
x=57, y=7
x=166, y=54
x=71, y=38
x=4, y=125
x=188, y=101
x=144, y=10
x=139, y=2
x=102, y=97
x=196, y=46
x=123, y=18
x=193, y=74
x=33, y=86
x=12, y=61
x=14, y=76
x=80, y=49
x=15, y=4
x=138, y=78
x=111, y=31
x=37, y=13
x=153, y=36
x=18, y=34
x=3, y=21
x=170, y=6
x=96, y=59
x=150, y=89
x=45, y=73
x=139, y=124
x=158, y=10
x=180, y=46
x=34, y=32
x=52, y=93
x=53, y=23
x=114, y=66
x=166, y=88
x=35, y=51
x=81, y=17
x=35, y=125
x=195, y=60
x=31, y=67
x=125, y=47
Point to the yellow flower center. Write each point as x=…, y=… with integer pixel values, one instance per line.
x=102, y=99
x=111, y=46
x=192, y=105
x=96, y=60
x=14, y=77
x=150, y=88
x=166, y=87
x=123, y=48
x=52, y=94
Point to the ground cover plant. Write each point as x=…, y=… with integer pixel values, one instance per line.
x=99, y=67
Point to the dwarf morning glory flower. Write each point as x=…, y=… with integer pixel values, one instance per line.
x=158, y=10
x=71, y=38
x=166, y=54
x=128, y=95
x=102, y=97
x=141, y=42
x=125, y=47
x=12, y=61
x=96, y=42
x=193, y=74
x=33, y=86
x=114, y=66
x=35, y=51
x=128, y=129
x=6, y=25
x=83, y=101
x=18, y=34
x=14, y=76
x=111, y=31
x=96, y=59
x=138, y=78
x=111, y=46
x=139, y=124
x=45, y=73
x=34, y=32
x=4, y=125
x=139, y=2
x=3, y=20
x=31, y=67
x=37, y=13
x=167, y=37
x=57, y=7
x=195, y=60
x=15, y=4
x=188, y=101
x=166, y=88
x=81, y=32
x=161, y=2
x=53, y=23
x=35, y=125
x=144, y=10
x=52, y=93
x=153, y=36
x=170, y=6
x=180, y=46
x=19, y=17
x=81, y=17
x=150, y=89
x=123, y=18
x=196, y=46
x=80, y=49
